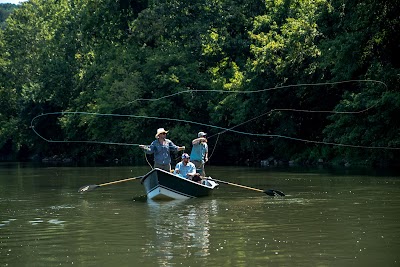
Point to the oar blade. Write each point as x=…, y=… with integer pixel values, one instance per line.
x=87, y=188
x=273, y=192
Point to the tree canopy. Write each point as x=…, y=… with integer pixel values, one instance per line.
x=293, y=79
x=5, y=11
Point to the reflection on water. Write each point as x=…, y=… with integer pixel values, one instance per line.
x=324, y=220
x=181, y=225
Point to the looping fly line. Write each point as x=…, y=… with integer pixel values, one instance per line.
x=253, y=91
x=223, y=130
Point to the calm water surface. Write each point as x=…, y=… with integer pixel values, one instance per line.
x=326, y=219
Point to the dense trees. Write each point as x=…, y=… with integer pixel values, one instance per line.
x=5, y=11
x=291, y=60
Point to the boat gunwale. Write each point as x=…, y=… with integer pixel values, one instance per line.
x=177, y=176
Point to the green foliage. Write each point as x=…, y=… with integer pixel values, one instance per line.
x=5, y=11
x=124, y=57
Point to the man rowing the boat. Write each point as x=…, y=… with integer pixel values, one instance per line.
x=161, y=148
x=186, y=169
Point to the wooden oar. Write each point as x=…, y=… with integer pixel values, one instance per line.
x=269, y=192
x=91, y=187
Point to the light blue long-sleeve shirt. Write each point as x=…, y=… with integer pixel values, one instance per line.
x=161, y=151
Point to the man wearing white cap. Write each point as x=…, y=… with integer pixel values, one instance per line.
x=199, y=154
x=161, y=148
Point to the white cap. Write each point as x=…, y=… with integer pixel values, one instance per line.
x=201, y=134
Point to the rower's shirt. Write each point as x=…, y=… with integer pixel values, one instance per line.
x=184, y=170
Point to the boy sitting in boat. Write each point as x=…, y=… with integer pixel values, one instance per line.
x=186, y=169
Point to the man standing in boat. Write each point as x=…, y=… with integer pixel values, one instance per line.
x=199, y=154
x=161, y=148
x=186, y=169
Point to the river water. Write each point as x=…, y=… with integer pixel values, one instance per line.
x=327, y=218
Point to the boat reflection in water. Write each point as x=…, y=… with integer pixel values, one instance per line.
x=181, y=229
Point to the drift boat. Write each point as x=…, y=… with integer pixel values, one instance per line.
x=163, y=185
